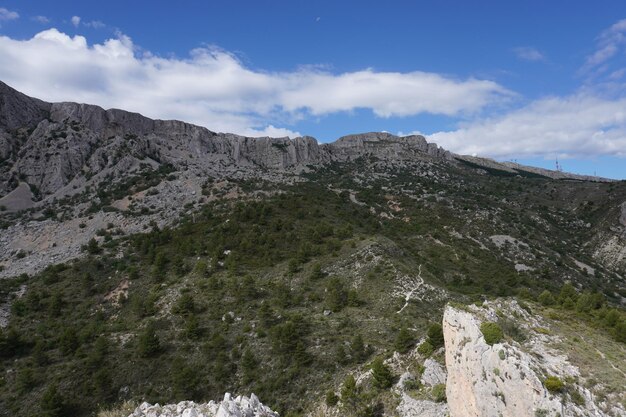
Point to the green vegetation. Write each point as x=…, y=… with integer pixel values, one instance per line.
x=291, y=292
x=492, y=332
x=404, y=341
x=439, y=393
x=435, y=335
x=553, y=384
x=383, y=379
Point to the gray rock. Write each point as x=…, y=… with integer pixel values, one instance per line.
x=241, y=406
x=433, y=373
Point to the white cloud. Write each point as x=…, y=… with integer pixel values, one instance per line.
x=6, y=14
x=75, y=20
x=41, y=19
x=608, y=45
x=213, y=88
x=580, y=125
x=95, y=24
x=528, y=53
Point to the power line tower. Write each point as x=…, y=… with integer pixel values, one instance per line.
x=559, y=167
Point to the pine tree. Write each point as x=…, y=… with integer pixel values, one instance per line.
x=435, y=335
x=358, y=349
x=404, y=340
x=52, y=403
x=349, y=393
x=148, y=342
x=340, y=355
x=316, y=272
x=381, y=373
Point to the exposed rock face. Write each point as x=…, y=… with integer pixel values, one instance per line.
x=433, y=373
x=239, y=407
x=505, y=379
x=410, y=407
x=71, y=139
x=622, y=217
x=474, y=387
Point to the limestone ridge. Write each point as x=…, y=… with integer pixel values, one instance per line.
x=48, y=145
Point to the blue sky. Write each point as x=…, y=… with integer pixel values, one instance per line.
x=530, y=81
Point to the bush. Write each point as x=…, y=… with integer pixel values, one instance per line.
x=185, y=305
x=381, y=373
x=52, y=403
x=435, y=335
x=425, y=349
x=404, y=340
x=511, y=329
x=546, y=298
x=620, y=331
x=331, y=399
x=439, y=393
x=577, y=398
x=148, y=343
x=553, y=384
x=349, y=393
x=492, y=332
x=411, y=384
x=336, y=295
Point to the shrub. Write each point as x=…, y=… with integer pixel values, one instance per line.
x=439, y=393
x=511, y=329
x=52, y=403
x=349, y=392
x=611, y=318
x=553, y=384
x=336, y=295
x=411, y=384
x=404, y=340
x=185, y=305
x=492, y=332
x=546, y=298
x=435, y=335
x=577, y=398
x=92, y=247
x=620, y=331
x=148, y=343
x=331, y=399
x=381, y=373
x=425, y=349
x=357, y=349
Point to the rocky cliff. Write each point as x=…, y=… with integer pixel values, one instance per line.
x=51, y=146
x=510, y=378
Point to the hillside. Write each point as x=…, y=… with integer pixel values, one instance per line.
x=147, y=260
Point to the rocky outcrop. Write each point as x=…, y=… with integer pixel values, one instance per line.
x=410, y=407
x=506, y=379
x=241, y=406
x=622, y=217
x=482, y=382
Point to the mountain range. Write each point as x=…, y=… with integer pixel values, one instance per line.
x=151, y=260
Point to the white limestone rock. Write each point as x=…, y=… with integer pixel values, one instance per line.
x=433, y=373
x=410, y=407
x=241, y=406
x=482, y=382
x=505, y=380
